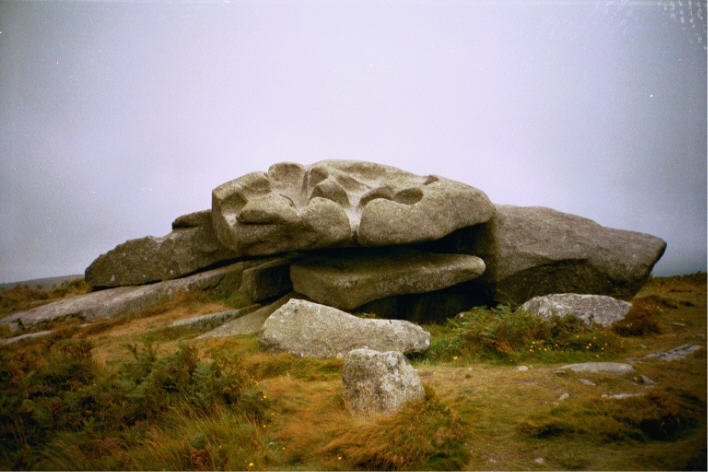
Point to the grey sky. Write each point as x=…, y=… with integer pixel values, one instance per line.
x=117, y=117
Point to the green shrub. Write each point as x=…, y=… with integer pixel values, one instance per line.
x=65, y=392
x=503, y=335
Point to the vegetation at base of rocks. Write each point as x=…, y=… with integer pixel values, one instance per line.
x=237, y=299
x=264, y=365
x=291, y=413
x=663, y=415
x=64, y=396
x=424, y=435
x=186, y=300
x=501, y=335
x=25, y=297
x=643, y=316
x=168, y=333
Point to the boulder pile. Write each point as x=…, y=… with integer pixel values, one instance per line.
x=354, y=232
x=305, y=245
x=366, y=238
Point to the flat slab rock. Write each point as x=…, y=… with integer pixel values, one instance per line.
x=308, y=329
x=673, y=354
x=212, y=320
x=599, y=309
x=113, y=302
x=378, y=382
x=192, y=245
x=599, y=367
x=351, y=278
x=340, y=203
x=249, y=323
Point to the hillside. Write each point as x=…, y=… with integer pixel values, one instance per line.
x=135, y=393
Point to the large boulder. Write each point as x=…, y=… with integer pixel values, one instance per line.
x=378, y=382
x=340, y=203
x=348, y=279
x=192, y=245
x=308, y=329
x=531, y=251
x=599, y=309
x=118, y=301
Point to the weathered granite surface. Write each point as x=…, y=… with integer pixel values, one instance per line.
x=599, y=309
x=531, y=251
x=212, y=320
x=127, y=300
x=139, y=261
x=340, y=203
x=599, y=367
x=378, y=382
x=308, y=329
x=351, y=278
x=250, y=323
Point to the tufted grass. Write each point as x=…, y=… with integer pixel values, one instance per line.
x=79, y=399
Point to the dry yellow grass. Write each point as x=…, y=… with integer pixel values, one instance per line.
x=493, y=409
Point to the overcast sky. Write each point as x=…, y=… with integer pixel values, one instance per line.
x=116, y=117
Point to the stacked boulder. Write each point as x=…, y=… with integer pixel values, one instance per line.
x=366, y=237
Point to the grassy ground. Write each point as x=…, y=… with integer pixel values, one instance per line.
x=132, y=393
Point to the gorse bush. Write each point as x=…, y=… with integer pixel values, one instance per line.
x=66, y=392
x=502, y=335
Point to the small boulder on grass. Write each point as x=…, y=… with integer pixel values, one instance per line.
x=599, y=309
x=308, y=329
x=378, y=382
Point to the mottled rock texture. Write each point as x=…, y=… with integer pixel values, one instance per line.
x=674, y=354
x=340, y=203
x=378, y=382
x=191, y=246
x=247, y=324
x=599, y=367
x=531, y=251
x=599, y=309
x=350, y=278
x=308, y=329
x=127, y=300
x=212, y=320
